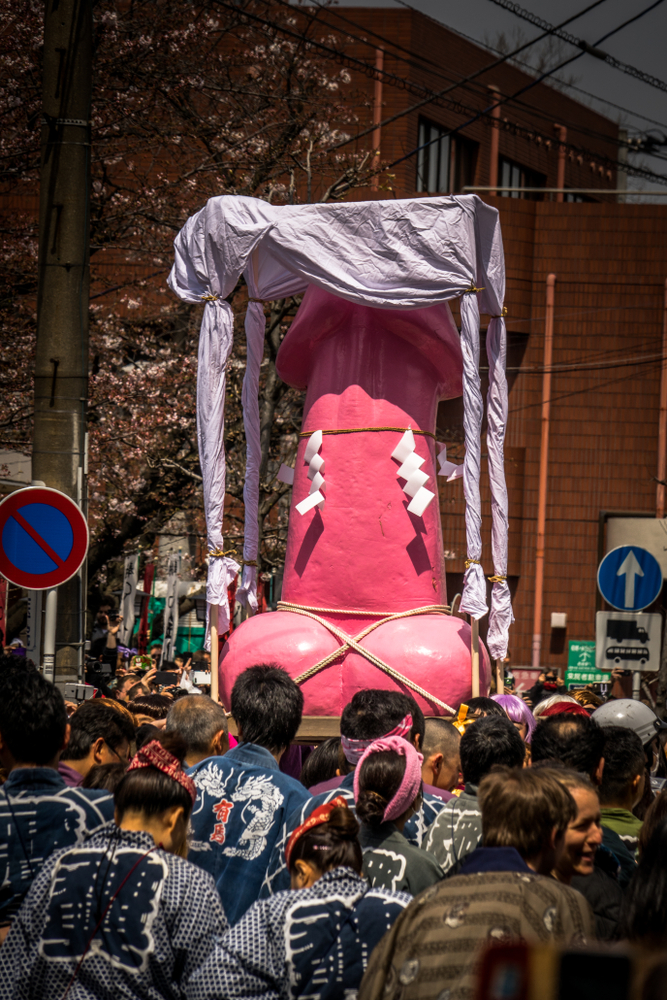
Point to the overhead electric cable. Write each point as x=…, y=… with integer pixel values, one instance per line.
x=523, y=90
x=592, y=50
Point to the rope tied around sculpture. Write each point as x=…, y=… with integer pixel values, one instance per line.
x=354, y=642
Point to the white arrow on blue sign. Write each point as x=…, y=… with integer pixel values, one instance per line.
x=629, y=578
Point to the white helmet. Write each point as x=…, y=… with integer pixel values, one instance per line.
x=630, y=714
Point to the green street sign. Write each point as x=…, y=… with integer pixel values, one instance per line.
x=581, y=667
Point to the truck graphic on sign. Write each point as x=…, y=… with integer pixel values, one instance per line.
x=624, y=630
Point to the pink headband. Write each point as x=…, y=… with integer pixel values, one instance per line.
x=355, y=749
x=412, y=779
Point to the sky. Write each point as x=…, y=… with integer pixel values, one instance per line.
x=641, y=44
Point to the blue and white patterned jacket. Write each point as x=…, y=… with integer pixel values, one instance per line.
x=143, y=924
x=416, y=829
x=313, y=943
x=39, y=814
x=243, y=803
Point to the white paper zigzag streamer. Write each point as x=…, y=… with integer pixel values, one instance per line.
x=448, y=469
x=411, y=471
x=315, y=464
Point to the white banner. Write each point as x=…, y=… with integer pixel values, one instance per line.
x=171, y=609
x=33, y=628
x=127, y=599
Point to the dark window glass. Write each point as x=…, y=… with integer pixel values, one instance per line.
x=444, y=163
x=511, y=174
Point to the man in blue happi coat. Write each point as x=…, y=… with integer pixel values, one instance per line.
x=39, y=814
x=372, y=714
x=244, y=799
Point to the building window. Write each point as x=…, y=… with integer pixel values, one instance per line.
x=444, y=163
x=511, y=174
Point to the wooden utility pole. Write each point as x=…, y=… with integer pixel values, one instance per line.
x=61, y=361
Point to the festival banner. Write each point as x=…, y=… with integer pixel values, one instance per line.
x=171, y=609
x=127, y=600
x=33, y=627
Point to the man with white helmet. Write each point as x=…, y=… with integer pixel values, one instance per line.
x=630, y=714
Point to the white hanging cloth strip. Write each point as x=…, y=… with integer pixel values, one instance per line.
x=403, y=254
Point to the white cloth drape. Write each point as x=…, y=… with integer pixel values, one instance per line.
x=130, y=571
x=387, y=254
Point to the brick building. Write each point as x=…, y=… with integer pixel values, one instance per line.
x=610, y=262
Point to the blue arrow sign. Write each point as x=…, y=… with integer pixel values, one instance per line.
x=629, y=578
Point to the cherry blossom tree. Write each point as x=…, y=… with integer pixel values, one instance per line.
x=190, y=100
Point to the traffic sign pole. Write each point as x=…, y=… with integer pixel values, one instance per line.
x=49, y=658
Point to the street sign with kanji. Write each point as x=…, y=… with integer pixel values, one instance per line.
x=43, y=538
x=581, y=669
x=629, y=578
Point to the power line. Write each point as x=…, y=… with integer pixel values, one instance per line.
x=455, y=106
x=504, y=100
x=592, y=50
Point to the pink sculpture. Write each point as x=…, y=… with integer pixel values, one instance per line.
x=365, y=368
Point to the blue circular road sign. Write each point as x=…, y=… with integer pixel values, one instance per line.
x=629, y=578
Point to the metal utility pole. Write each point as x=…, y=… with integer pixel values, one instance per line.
x=61, y=361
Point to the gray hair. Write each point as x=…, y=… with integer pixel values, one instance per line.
x=197, y=719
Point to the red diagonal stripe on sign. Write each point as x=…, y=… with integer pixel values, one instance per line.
x=38, y=539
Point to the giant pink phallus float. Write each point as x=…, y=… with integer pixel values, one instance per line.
x=364, y=600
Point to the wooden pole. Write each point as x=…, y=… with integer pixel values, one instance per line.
x=562, y=157
x=474, y=656
x=377, y=117
x=500, y=677
x=662, y=421
x=544, y=464
x=214, y=652
x=495, y=140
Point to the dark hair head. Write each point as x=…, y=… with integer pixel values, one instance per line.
x=92, y=720
x=139, y=690
x=323, y=763
x=105, y=776
x=155, y=706
x=197, y=719
x=488, y=741
x=149, y=791
x=145, y=733
x=330, y=845
x=440, y=736
x=33, y=717
x=483, y=706
x=521, y=807
x=656, y=813
x=644, y=908
x=374, y=712
x=380, y=778
x=267, y=706
x=574, y=739
x=624, y=759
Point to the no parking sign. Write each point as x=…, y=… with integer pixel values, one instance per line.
x=43, y=538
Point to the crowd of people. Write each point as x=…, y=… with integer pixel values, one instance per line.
x=146, y=852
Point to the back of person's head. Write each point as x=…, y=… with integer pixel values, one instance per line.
x=198, y=720
x=145, y=733
x=94, y=720
x=624, y=764
x=656, y=813
x=517, y=712
x=155, y=706
x=554, y=699
x=150, y=791
x=521, y=808
x=267, y=706
x=139, y=691
x=380, y=777
x=644, y=907
x=374, y=712
x=329, y=845
x=440, y=736
x=488, y=741
x=323, y=763
x=574, y=739
x=483, y=706
x=105, y=776
x=33, y=717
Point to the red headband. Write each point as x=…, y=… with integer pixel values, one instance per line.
x=153, y=754
x=564, y=708
x=318, y=816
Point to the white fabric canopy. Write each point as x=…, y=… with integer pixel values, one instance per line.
x=388, y=254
